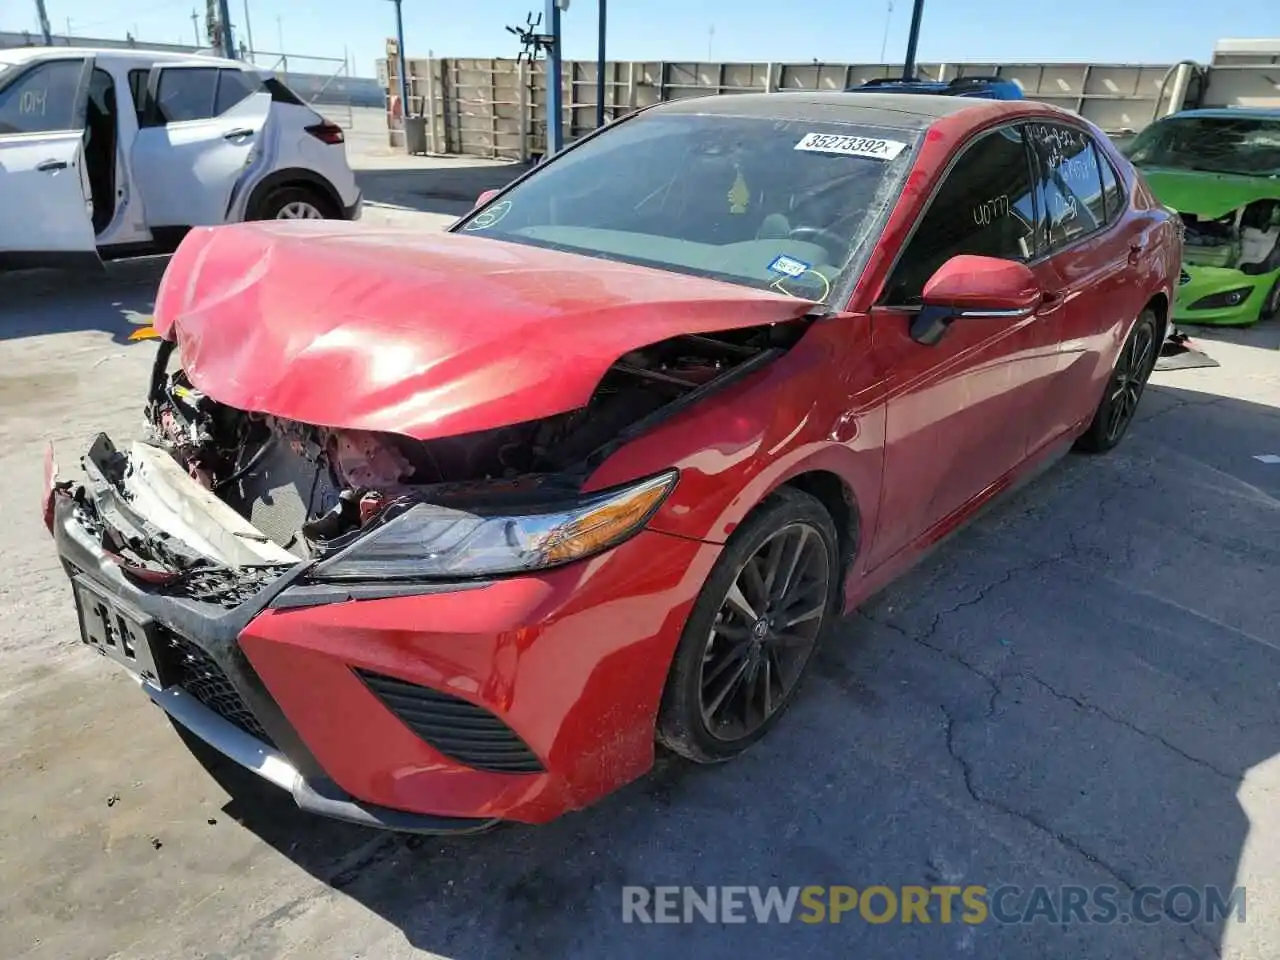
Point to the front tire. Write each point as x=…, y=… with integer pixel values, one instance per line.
x=1124, y=389
x=753, y=630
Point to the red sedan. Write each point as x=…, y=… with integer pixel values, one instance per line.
x=437, y=530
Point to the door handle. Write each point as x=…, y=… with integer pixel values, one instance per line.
x=1136, y=250
x=237, y=134
x=1050, y=300
x=48, y=166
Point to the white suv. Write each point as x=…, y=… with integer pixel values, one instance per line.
x=114, y=153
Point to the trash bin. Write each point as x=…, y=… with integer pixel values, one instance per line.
x=415, y=135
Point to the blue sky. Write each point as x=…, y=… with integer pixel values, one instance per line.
x=792, y=30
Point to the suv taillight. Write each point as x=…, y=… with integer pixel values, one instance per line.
x=327, y=132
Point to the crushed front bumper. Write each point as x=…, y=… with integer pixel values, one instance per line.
x=185, y=654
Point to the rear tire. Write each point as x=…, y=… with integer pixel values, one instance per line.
x=1125, y=386
x=295, y=203
x=753, y=630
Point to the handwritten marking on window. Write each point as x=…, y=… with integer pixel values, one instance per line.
x=989, y=211
x=33, y=102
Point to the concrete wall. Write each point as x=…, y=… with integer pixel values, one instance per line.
x=496, y=107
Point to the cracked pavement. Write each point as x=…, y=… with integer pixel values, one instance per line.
x=1080, y=689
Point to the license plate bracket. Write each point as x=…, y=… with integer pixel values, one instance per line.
x=115, y=629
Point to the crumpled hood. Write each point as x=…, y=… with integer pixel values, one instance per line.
x=1208, y=194
x=420, y=333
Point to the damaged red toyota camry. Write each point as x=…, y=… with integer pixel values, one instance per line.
x=440, y=530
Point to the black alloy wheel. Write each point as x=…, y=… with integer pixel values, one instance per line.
x=1124, y=390
x=753, y=630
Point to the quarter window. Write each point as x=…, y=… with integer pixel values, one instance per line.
x=43, y=99
x=985, y=207
x=1070, y=184
x=1112, y=192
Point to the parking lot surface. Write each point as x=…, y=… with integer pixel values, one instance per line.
x=1081, y=689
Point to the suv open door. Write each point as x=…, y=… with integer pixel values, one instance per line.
x=45, y=196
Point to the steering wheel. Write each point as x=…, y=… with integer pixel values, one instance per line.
x=832, y=242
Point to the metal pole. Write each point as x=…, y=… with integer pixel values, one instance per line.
x=401, y=62
x=909, y=66
x=43, y=14
x=600, y=67
x=228, y=41
x=884, y=43
x=248, y=29
x=555, y=118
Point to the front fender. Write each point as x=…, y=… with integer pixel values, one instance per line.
x=798, y=415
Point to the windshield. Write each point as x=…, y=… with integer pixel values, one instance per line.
x=1241, y=145
x=766, y=203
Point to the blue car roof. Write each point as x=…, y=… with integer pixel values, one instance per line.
x=989, y=88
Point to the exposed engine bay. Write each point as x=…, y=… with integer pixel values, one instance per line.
x=1247, y=239
x=279, y=491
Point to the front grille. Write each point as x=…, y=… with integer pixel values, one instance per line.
x=190, y=668
x=460, y=730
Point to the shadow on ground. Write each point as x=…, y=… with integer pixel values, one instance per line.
x=1070, y=693
x=116, y=300
x=446, y=189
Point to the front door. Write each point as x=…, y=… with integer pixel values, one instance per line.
x=956, y=413
x=201, y=126
x=46, y=207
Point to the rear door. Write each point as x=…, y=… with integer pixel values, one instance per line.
x=1093, y=252
x=201, y=128
x=956, y=415
x=46, y=208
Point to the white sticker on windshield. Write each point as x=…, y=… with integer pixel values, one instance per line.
x=851, y=146
x=789, y=266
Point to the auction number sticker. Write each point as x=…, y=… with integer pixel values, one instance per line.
x=851, y=146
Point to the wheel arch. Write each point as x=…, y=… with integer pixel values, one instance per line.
x=291, y=177
x=839, y=500
x=1159, y=303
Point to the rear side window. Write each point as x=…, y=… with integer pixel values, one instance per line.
x=186, y=94
x=1070, y=184
x=234, y=86
x=43, y=99
x=985, y=206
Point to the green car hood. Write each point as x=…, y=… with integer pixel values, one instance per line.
x=1208, y=194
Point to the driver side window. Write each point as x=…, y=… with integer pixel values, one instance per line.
x=43, y=99
x=985, y=206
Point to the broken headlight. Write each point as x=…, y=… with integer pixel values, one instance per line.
x=429, y=541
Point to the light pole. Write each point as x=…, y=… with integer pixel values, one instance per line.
x=44, y=23
x=228, y=42
x=913, y=39
x=555, y=111
x=600, y=62
x=401, y=62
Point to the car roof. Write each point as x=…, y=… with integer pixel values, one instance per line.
x=20, y=55
x=917, y=112
x=1260, y=113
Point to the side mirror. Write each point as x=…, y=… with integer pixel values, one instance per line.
x=485, y=198
x=974, y=288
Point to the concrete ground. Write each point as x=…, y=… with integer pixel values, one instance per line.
x=1081, y=689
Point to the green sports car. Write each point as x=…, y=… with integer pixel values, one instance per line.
x=1220, y=170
